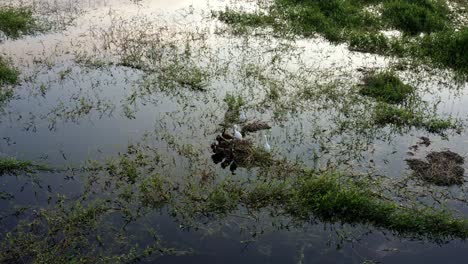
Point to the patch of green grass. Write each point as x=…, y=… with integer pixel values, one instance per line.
x=338, y=199
x=15, y=22
x=244, y=20
x=336, y=18
x=386, y=87
x=400, y=116
x=10, y=165
x=350, y=21
x=416, y=16
x=448, y=48
x=439, y=125
x=234, y=103
x=368, y=42
x=185, y=75
x=8, y=75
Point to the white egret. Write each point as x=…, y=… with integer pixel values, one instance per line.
x=237, y=134
x=242, y=116
x=266, y=146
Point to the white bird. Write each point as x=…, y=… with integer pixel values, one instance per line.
x=237, y=134
x=266, y=146
x=242, y=116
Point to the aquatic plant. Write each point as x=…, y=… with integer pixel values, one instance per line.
x=9, y=165
x=359, y=24
x=386, y=87
x=8, y=75
x=414, y=17
x=98, y=225
x=15, y=21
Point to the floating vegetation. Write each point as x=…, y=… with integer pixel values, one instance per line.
x=332, y=198
x=183, y=75
x=8, y=75
x=414, y=17
x=255, y=126
x=15, y=21
x=443, y=168
x=402, y=116
x=386, y=87
x=13, y=166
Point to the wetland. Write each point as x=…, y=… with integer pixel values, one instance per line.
x=255, y=131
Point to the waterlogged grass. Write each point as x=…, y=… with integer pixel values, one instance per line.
x=8, y=75
x=179, y=75
x=335, y=18
x=398, y=105
x=448, y=48
x=130, y=188
x=358, y=23
x=331, y=197
x=416, y=16
x=15, y=22
x=10, y=165
x=386, y=87
x=402, y=116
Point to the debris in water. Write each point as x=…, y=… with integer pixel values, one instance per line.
x=255, y=126
x=424, y=141
x=234, y=151
x=442, y=168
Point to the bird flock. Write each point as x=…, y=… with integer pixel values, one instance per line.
x=238, y=135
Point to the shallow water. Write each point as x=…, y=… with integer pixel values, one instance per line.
x=78, y=101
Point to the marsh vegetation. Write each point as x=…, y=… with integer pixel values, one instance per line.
x=117, y=128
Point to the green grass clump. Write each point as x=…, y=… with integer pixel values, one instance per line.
x=386, y=87
x=331, y=197
x=399, y=116
x=369, y=42
x=15, y=22
x=8, y=75
x=416, y=16
x=234, y=103
x=243, y=20
x=350, y=21
x=10, y=165
x=385, y=114
x=438, y=125
x=179, y=74
x=449, y=49
x=336, y=19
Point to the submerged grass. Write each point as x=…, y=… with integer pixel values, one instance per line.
x=8, y=75
x=331, y=197
x=10, y=165
x=360, y=22
x=386, y=87
x=416, y=16
x=130, y=188
x=401, y=116
x=15, y=21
